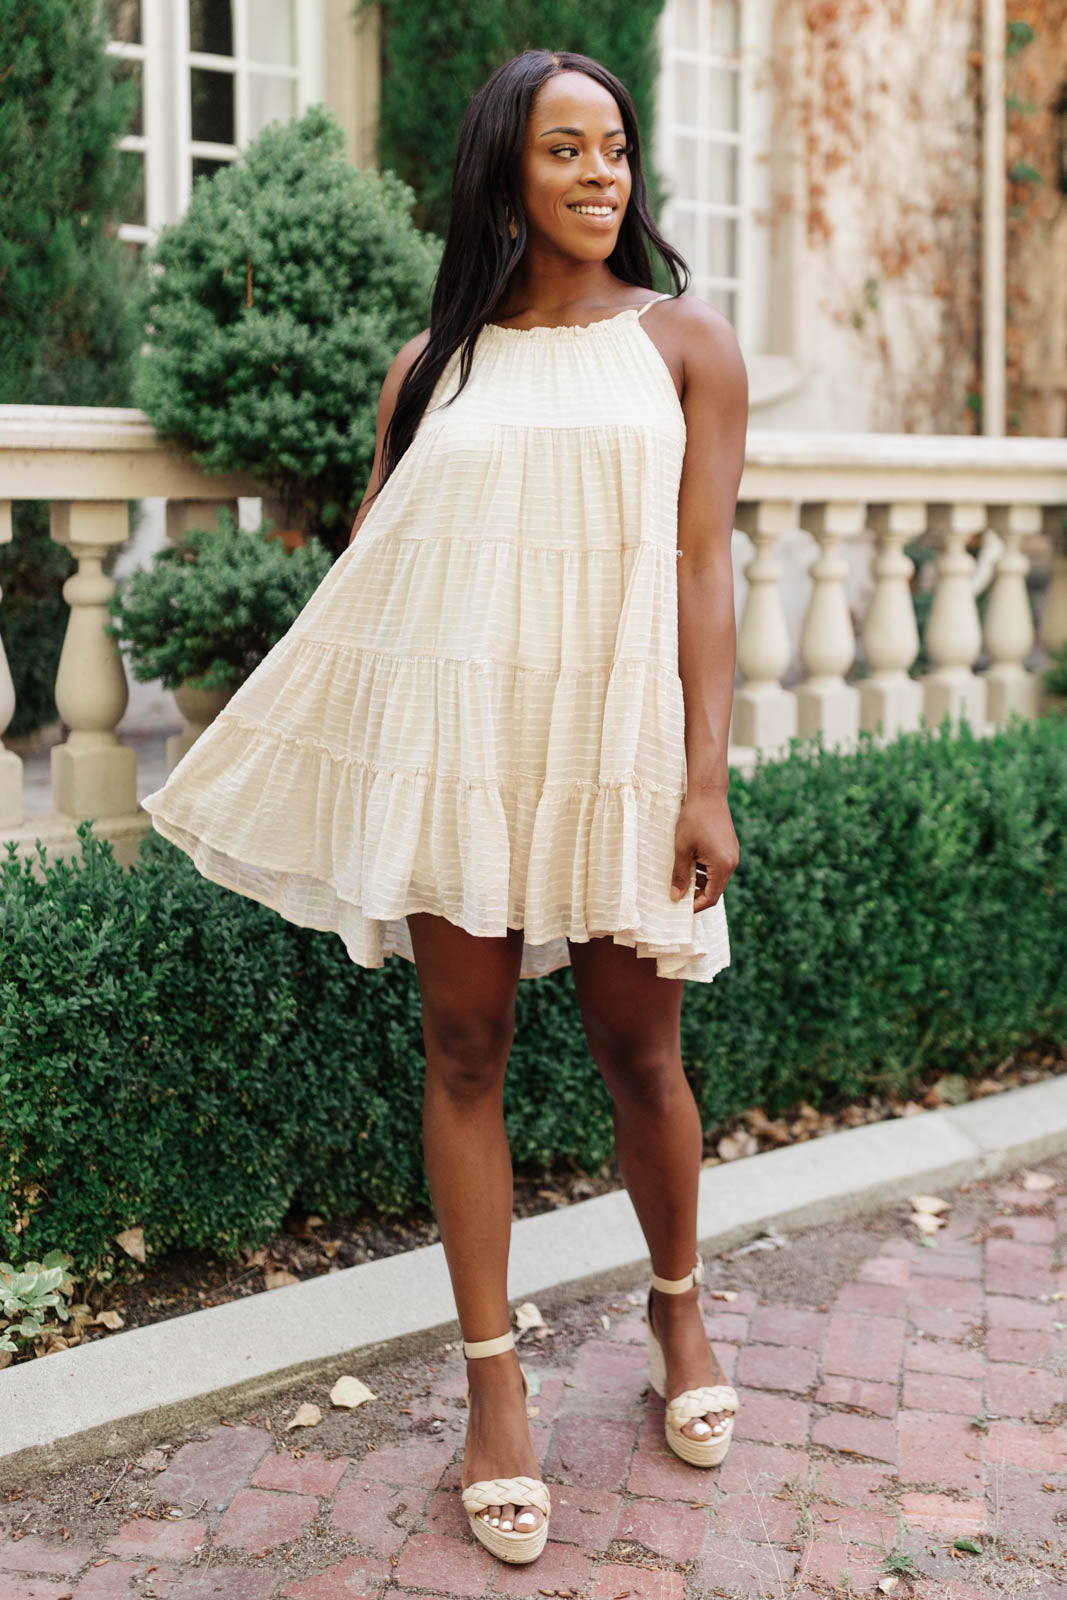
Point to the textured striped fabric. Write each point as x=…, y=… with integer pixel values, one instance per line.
x=478, y=713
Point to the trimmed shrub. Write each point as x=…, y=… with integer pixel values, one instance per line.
x=277, y=305
x=206, y=614
x=68, y=328
x=177, y=1057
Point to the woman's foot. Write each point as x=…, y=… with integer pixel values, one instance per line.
x=498, y=1441
x=690, y=1361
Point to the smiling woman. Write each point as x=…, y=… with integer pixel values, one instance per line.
x=494, y=741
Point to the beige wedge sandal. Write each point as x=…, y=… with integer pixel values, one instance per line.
x=691, y=1402
x=507, y=1544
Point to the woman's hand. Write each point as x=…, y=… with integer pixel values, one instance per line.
x=704, y=834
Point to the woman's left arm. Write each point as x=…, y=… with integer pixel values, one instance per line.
x=715, y=403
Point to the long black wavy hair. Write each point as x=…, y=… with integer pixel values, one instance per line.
x=479, y=255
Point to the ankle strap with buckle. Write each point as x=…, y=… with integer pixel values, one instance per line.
x=679, y=1285
x=490, y=1347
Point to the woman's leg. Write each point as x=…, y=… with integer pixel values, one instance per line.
x=467, y=987
x=631, y=1019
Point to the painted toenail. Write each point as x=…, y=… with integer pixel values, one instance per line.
x=701, y=1427
x=494, y=1521
x=505, y=1524
x=525, y=1517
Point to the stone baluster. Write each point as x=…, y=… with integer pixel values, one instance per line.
x=185, y=515
x=93, y=775
x=1053, y=630
x=1009, y=623
x=826, y=704
x=953, y=630
x=10, y=763
x=889, y=698
x=764, y=714
x=198, y=707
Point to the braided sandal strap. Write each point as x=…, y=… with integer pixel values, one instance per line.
x=520, y=1491
x=694, y=1402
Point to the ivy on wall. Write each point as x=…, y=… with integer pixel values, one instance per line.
x=1036, y=223
x=434, y=57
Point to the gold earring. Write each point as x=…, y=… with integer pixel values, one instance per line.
x=512, y=228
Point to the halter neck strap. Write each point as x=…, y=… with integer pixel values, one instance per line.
x=655, y=302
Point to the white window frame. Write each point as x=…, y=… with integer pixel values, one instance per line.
x=166, y=142
x=762, y=324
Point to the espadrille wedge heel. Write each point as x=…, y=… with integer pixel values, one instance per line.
x=691, y=1402
x=513, y=1545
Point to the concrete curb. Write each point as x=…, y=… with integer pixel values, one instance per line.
x=119, y=1395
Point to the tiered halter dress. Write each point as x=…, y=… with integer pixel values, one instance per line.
x=479, y=712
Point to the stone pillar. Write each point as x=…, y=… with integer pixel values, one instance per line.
x=1053, y=631
x=953, y=629
x=10, y=764
x=826, y=704
x=1009, y=623
x=183, y=515
x=765, y=714
x=890, y=697
x=93, y=775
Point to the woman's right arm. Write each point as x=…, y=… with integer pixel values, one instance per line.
x=402, y=361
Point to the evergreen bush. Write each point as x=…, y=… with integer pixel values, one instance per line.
x=68, y=329
x=177, y=1057
x=277, y=304
x=206, y=614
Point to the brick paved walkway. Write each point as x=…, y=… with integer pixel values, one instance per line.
x=856, y=1438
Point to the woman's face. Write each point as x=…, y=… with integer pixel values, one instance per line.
x=575, y=174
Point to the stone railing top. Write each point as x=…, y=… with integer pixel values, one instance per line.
x=100, y=453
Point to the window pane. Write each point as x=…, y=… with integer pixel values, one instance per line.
x=134, y=70
x=124, y=17
x=721, y=168
x=718, y=99
x=211, y=27
x=132, y=162
x=206, y=166
x=687, y=93
x=725, y=26
x=271, y=34
x=720, y=258
x=269, y=99
x=683, y=234
x=211, y=95
x=722, y=299
x=685, y=167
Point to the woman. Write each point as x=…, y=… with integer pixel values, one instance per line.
x=494, y=741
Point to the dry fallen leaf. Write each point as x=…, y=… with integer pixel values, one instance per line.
x=132, y=1241
x=930, y=1203
x=926, y=1223
x=888, y=1584
x=278, y=1279
x=734, y=1145
x=108, y=1319
x=350, y=1392
x=307, y=1416
x=528, y=1316
x=605, y=1322
x=724, y=1294
x=1036, y=1180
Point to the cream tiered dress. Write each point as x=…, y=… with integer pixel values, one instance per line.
x=479, y=713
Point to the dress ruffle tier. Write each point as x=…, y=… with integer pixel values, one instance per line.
x=479, y=714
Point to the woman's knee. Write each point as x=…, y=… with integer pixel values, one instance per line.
x=648, y=1071
x=467, y=1051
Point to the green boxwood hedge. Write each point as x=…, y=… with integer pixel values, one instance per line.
x=177, y=1057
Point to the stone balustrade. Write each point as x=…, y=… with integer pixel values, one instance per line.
x=827, y=636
